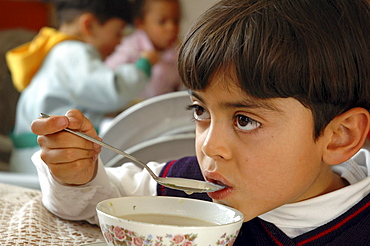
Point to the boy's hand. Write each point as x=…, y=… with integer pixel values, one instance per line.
x=152, y=56
x=72, y=160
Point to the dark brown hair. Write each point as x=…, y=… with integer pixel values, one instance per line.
x=104, y=10
x=314, y=51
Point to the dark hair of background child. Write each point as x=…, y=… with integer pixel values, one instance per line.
x=104, y=10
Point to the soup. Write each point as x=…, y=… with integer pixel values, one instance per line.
x=166, y=219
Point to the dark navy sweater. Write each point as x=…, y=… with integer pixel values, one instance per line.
x=351, y=228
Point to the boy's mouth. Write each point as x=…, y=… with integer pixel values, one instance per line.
x=215, y=178
x=218, y=182
x=218, y=179
x=220, y=194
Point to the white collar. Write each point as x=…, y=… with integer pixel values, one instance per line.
x=297, y=218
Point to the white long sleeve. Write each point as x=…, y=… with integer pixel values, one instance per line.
x=74, y=76
x=79, y=202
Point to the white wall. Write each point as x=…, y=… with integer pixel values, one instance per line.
x=191, y=10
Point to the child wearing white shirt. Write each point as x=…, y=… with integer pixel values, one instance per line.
x=64, y=68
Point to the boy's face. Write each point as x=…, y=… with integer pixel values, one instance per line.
x=105, y=37
x=161, y=23
x=263, y=150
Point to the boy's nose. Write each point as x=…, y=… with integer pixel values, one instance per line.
x=216, y=143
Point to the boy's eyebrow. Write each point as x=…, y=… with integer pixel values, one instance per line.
x=246, y=103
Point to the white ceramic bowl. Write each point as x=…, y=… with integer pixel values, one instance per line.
x=194, y=222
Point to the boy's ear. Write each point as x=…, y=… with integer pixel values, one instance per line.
x=86, y=23
x=346, y=135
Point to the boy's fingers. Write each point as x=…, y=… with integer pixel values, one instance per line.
x=77, y=121
x=45, y=126
x=64, y=140
x=61, y=156
x=76, y=173
x=74, y=119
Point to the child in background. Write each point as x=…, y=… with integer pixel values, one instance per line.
x=157, y=26
x=64, y=68
x=281, y=97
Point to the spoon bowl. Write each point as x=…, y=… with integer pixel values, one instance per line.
x=189, y=186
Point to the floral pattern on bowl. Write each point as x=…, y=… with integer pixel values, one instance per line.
x=116, y=235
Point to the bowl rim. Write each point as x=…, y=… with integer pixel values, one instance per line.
x=237, y=212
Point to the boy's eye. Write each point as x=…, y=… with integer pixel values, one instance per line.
x=245, y=123
x=199, y=113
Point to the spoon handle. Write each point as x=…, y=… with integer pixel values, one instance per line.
x=110, y=147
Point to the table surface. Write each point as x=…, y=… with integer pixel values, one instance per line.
x=25, y=221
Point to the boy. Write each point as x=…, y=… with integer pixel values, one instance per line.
x=63, y=69
x=280, y=96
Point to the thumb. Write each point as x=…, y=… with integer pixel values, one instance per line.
x=78, y=122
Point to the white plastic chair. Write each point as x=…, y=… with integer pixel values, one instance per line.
x=163, y=115
x=160, y=149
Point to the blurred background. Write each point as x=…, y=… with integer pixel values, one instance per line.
x=20, y=21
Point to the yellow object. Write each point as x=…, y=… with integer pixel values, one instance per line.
x=25, y=60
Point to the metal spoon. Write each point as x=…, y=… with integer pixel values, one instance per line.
x=189, y=186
